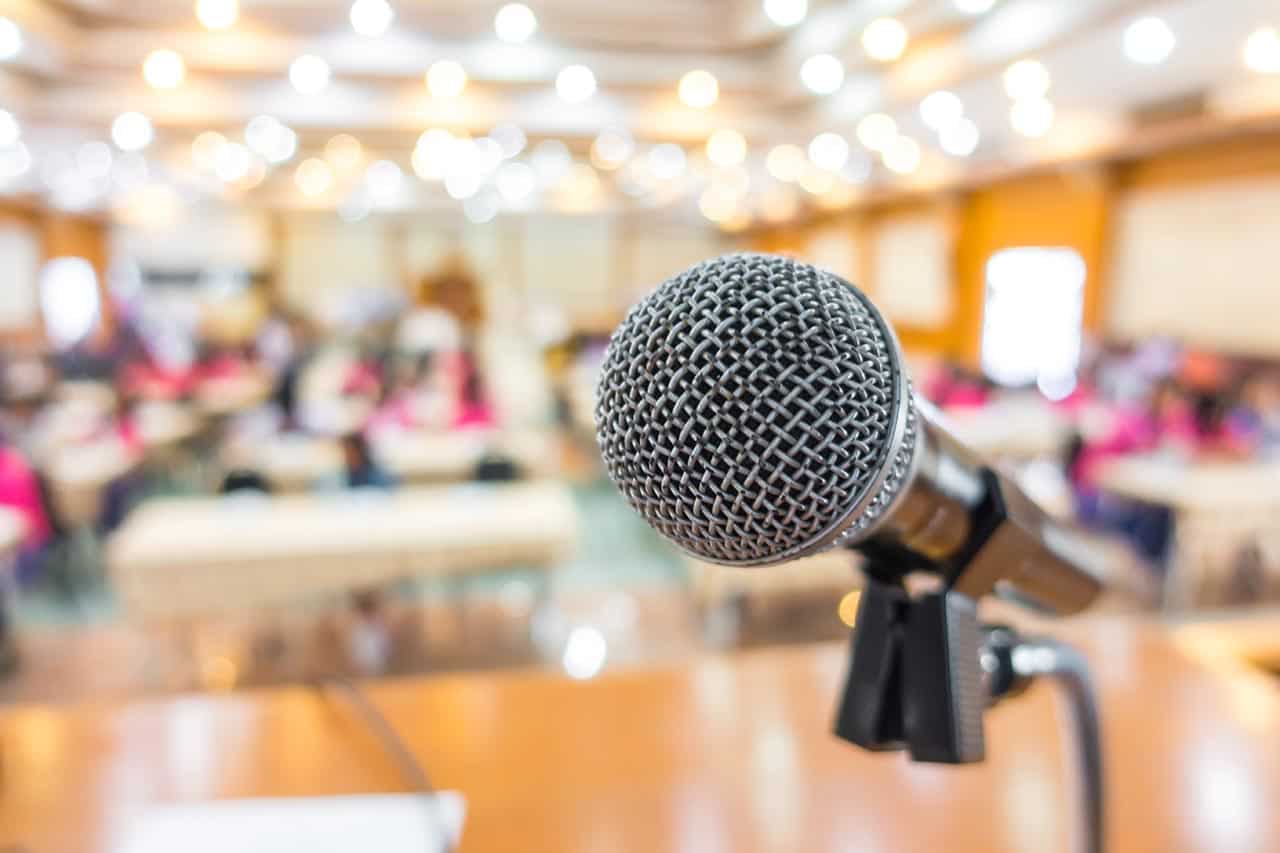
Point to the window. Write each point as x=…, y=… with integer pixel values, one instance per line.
x=69, y=299
x=1031, y=325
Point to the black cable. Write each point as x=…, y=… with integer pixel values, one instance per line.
x=1067, y=668
x=394, y=745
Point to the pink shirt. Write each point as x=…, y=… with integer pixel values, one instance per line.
x=19, y=490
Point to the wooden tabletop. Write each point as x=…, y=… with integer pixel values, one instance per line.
x=718, y=754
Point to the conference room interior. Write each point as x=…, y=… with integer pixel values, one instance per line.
x=303, y=313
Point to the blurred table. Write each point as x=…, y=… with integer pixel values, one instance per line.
x=422, y=456
x=209, y=555
x=162, y=425
x=1225, y=513
x=97, y=396
x=79, y=474
x=725, y=753
x=1014, y=428
x=294, y=463
x=218, y=397
x=1168, y=480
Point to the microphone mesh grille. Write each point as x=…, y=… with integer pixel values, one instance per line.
x=746, y=406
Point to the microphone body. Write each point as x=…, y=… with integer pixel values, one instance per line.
x=755, y=409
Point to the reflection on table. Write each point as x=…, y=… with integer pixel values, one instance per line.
x=725, y=753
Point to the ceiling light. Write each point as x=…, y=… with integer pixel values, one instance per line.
x=941, y=109
x=434, y=153
x=778, y=204
x=885, y=39
x=785, y=162
x=313, y=176
x=256, y=174
x=877, y=130
x=463, y=185
x=480, y=209
x=446, y=79
x=217, y=14
x=10, y=39
x=309, y=74
x=611, y=149
x=667, y=161
x=816, y=181
x=515, y=182
x=231, y=163
x=699, y=89
x=15, y=161
x=383, y=179
x=344, y=153
x=829, y=151
x=205, y=148
x=164, y=69
x=822, y=74
x=575, y=83
x=1032, y=117
x=717, y=205
x=1026, y=78
x=975, y=7
x=515, y=23
x=132, y=131
x=270, y=138
x=510, y=139
x=10, y=130
x=960, y=138
x=1262, y=51
x=1148, y=41
x=786, y=13
x=902, y=156
x=371, y=17
x=726, y=147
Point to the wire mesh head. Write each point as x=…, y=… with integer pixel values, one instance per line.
x=749, y=408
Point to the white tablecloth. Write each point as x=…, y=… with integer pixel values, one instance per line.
x=217, y=554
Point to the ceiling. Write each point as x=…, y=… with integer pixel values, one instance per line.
x=80, y=66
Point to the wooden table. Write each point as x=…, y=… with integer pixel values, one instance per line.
x=720, y=754
x=207, y=555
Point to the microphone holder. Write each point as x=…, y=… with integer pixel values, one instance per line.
x=923, y=670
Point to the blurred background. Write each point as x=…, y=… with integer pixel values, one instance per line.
x=303, y=304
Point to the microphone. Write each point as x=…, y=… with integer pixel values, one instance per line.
x=755, y=409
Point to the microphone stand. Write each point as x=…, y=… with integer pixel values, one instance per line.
x=923, y=671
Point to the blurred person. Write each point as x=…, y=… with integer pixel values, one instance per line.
x=360, y=470
x=20, y=491
x=951, y=386
x=474, y=410
x=1260, y=399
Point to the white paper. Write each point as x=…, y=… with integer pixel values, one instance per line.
x=400, y=823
